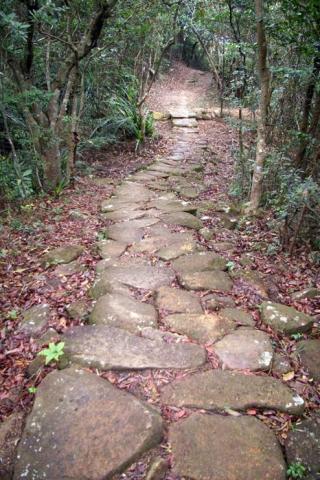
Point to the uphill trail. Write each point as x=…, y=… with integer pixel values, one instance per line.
x=185, y=368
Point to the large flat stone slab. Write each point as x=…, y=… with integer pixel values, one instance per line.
x=114, y=204
x=237, y=315
x=309, y=352
x=175, y=300
x=285, y=319
x=103, y=285
x=245, y=349
x=177, y=249
x=124, y=214
x=184, y=219
x=218, y=390
x=173, y=205
x=110, y=348
x=140, y=276
x=208, y=280
x=213, y=447
x=35, y=319
x=111, y=249
x=303, y=445
x=124, y=233
x=125, y=312
x=133, y=191
x=62, y=255
x=185, y=122
x=10, y=434
x=202, y=328
x=199, y=262
x=81, y=427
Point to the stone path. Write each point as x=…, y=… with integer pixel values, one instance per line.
x=153, y=291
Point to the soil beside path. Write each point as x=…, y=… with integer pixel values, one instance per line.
x=182, y=355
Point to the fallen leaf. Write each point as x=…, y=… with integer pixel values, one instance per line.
x=288, y=376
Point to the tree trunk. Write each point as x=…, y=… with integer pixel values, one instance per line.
x=264, y=76
x=51, y=158
x=304, y=127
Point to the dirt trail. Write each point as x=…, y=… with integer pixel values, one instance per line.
x=181, y=357
x=183, y=87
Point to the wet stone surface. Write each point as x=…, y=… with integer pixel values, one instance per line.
x=285, y=319
x=175, y=300
x=201, y=328
x=220, y=390
x=121, y=311
x=206, y=447
x=35, y=319
x=110, y=348
x=68, y=435
x=245, y=349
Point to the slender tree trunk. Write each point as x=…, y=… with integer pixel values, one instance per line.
x=304, y=127
x=51, y=158
x=264, y=76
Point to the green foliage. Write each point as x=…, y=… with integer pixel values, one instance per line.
x=230, y=266
x=297, y=336
x=32, y=390
x=297, y=470
x=122, y=117
x=14, y=186
x=13, y=314
x=53, y=352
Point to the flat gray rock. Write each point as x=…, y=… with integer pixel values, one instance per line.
x=140, y=276
x=124, y=215
x=245, y=349
x=82, y=427
x=133, y=191
x=184, y=219
x=121, y=311
x=130, y=231
x=111, y=249
x=173, y=206
x=214, y=447
x=35, y=319
x=175, y=300
x=216, y=302
x=303, y=445
x=309, y=352
x=61, y=255
x=114, y=204
x=177, y=249
x=78, y=310
x=218, y=390
x=306, y=293
x=104, y=284
x=10, y=434
x=285, y=319
x=199, y=262
x=206, y=328
x=281, y=364
x=109, y=348
x=237, y=315
x=124, y=232
x=68, y=269
x=208, y=280
x=156, y=239
x=185, y=122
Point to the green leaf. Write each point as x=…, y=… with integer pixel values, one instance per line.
x=53, y=352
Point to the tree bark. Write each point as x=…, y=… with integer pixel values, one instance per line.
x=308, y=127
x=264, y=77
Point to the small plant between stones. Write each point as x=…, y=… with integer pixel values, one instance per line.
x=296, y=470
x=53, y=352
